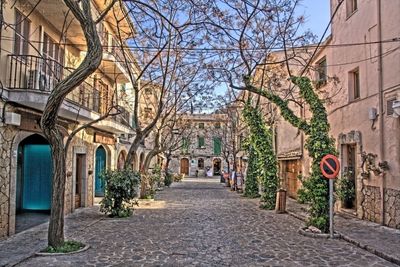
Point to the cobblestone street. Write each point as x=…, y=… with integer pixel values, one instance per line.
x=199, y=222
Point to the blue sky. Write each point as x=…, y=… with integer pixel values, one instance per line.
x=317, y=15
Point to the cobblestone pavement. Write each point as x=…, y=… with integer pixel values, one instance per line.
x=200, y=223
x=360, y=232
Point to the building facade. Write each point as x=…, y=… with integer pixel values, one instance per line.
x=201, y=150
x=35, y=55
x=356, y=72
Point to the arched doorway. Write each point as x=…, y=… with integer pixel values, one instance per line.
x=33, y=185
x=100, y=166
x=185, y=166
x=34, y=174
x=217, y=166
x=121, y=160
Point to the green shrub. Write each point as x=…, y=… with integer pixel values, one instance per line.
x=178, y=177
x=121, y=187
x=168, y=178
x=345, y=190
x=66, y=247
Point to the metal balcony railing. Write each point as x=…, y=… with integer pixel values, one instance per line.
x=42, y=74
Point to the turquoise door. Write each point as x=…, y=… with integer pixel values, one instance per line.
x=37, y=170
x=99, y=168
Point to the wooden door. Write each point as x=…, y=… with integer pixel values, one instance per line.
x=292, y=173
x=79, y=180
x=185, y=166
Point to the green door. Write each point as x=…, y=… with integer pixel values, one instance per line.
x=99, y=168
x=37, y=170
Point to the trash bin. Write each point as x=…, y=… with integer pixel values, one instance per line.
x=280, y=206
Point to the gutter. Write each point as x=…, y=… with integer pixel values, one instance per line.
x=381, y=110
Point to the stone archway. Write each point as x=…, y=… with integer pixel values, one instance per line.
x=121, y=159
x=217, y=164
x=32, y=186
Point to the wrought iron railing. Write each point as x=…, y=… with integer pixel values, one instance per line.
x=42, y=74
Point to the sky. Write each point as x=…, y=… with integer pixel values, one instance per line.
x=317, y=15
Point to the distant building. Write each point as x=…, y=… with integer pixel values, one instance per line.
x=202, y=149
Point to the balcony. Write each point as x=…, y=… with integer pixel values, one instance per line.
x=114, y=63
x=30, y=79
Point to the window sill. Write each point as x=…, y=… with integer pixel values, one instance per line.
x=351, y=14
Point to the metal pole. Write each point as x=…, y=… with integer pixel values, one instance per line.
x=331, y=207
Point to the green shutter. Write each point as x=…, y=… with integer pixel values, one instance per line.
x=201, y=142
x=217, y=145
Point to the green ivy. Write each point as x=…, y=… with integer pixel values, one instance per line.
x=318, y=144
x=265, y=165
x=251, y=182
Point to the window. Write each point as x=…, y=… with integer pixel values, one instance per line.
x=201, y=142
x=321, y=72
x=354, y=84
x=185, y=145
x=351, y=7
x=148, y=91
x=217, y=125
x=201, y=125
x=200, y=163
x=389, y=106
x=217, y=145
x=22, y=29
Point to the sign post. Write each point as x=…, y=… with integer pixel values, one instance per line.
x=330, y=169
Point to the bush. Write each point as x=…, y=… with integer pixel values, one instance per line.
x=168, y=178
x=178, y=177
x=121, y=187
x=345, y=190
x=66, y=247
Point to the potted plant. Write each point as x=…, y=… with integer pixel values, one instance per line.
x=345, y=190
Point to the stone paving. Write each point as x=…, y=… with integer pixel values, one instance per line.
x=378, y=239
x=195, y=223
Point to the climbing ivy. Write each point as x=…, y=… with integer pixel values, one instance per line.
x=251, y=182
x=265, y=166
x=318, y=144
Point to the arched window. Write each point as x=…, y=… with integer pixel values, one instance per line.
x=200, y=163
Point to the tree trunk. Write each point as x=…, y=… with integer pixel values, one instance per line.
x=50, y=116
x=56, y=224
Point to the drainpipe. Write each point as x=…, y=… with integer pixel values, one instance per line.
x=381, y=110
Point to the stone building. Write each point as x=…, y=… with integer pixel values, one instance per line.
x=202, y=149
x=35, y=55
x=356, y=72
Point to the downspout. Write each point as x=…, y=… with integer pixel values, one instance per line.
x=381, y=110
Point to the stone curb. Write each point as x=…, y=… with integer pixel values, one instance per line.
x=350, y=240
x=62, y=254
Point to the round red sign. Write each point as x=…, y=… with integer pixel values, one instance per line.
x=330, y=166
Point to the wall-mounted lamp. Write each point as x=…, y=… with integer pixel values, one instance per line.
x=372, y=115
x=396, y=108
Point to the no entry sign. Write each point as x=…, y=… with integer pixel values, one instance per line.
x=330, y=166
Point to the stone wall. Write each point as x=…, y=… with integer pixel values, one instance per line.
x=371, y=204
x=392, y=208
x=6, y=137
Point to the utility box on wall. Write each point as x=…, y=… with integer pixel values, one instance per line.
x=12, y=118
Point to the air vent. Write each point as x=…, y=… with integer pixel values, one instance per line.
x=389, y=107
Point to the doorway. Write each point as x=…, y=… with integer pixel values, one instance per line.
x=217, y=166
x=292, y=172
x=80, y=177
x=350, y=174
x=34, y=185
x=100, y=166
x=185, y=166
